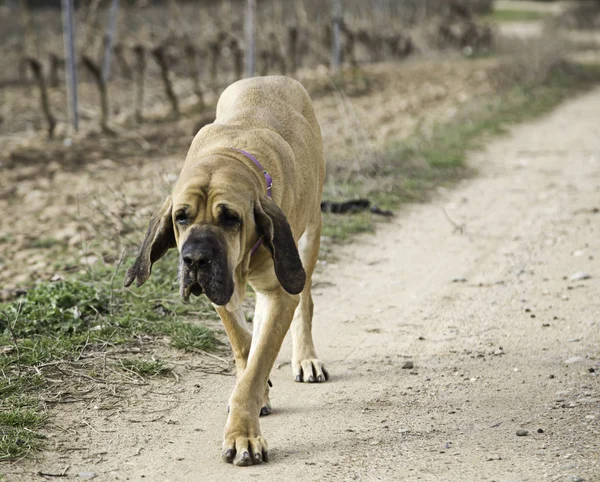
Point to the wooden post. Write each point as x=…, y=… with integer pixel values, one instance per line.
x=336, y=40
x=109, y=38
x=70, y=62
x=250, y=37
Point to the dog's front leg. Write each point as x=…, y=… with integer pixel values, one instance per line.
x=243, y=443
x=232, y=316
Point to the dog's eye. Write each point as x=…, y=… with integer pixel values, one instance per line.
x=229, y=219
x=181, y=218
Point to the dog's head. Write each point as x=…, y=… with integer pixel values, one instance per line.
x=214, y=217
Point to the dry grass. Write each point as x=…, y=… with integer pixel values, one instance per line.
x=531, y=60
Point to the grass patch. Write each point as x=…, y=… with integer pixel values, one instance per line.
x=339, y=227
x=145, y=368
x=21, y=414
x=42, y=243
x=515, y=16
x=57, y=323
x=446, y=146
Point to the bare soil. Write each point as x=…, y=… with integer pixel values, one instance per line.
x=500, y=336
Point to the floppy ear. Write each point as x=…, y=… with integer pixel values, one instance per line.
x=277, y=236
x=160, y=237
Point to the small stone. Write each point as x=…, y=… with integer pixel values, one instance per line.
x=591, y=370
x=572, y=478
x=574, y=359
x=408, y=365
x=540, y=430
x=522, y=433
x=459, y=279
x=551, y=377
x=87, y=475
x=580, y=275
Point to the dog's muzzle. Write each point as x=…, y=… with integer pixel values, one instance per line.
x=203, y=269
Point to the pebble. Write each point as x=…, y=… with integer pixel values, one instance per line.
x=580, y=275
x=459, y=279
x=574, y=359
x=522, y=433
x=87, y=475
x=408, y=365
x=572, y=478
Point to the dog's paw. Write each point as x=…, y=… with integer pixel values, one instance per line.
x=309, y=371
x=244, y=450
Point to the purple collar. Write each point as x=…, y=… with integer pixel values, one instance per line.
x=268, y=177
x=269, y=180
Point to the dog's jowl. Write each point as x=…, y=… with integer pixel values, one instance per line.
x=246, y=209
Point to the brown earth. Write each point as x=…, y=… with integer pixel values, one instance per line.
x=501, y=338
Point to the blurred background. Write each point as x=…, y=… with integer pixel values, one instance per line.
x=396, y=84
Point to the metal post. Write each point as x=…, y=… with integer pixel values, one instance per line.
x=336, y=41
x=108, y=40
x=71, y=61
x=250, y=38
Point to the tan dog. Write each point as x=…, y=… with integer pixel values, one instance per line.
x=219, y=211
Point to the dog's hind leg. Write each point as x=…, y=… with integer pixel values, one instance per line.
x=306, y=366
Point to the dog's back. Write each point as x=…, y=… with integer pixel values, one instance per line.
x=270, y=102
x=274, y=119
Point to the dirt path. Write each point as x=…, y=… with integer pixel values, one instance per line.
x=512, y=344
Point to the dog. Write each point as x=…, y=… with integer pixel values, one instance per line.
x=246, y=209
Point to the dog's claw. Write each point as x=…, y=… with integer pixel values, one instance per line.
x=270, y=383
x=309, y=371
x=227, y=456
x=265, y=410
x=244, y=460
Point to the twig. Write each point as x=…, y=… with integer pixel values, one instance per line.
x=86, y=423
x=85, y=345
x=457, y=227
x=47, y=474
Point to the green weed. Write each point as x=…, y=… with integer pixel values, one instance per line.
x=146, y=368
x=57, y=321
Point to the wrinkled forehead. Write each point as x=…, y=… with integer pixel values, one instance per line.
x=202, y=187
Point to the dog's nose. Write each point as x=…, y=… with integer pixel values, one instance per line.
x=197, y=255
